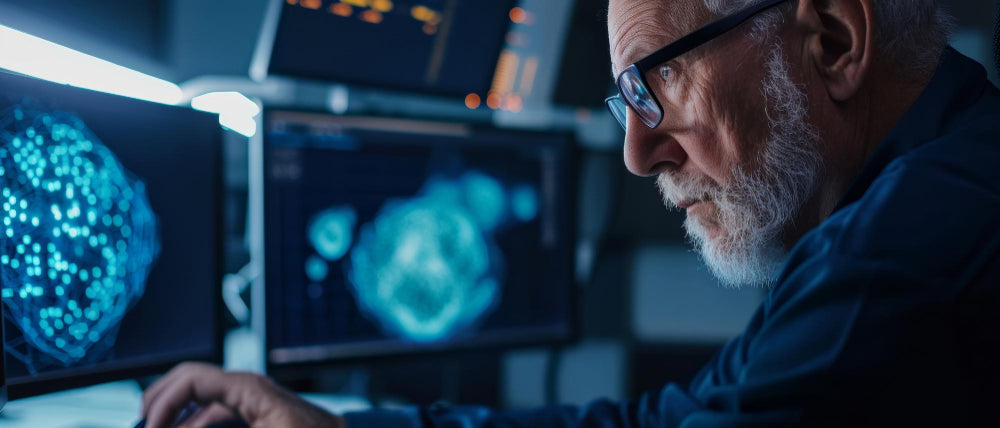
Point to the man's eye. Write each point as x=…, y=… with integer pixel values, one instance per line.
x=665, y=72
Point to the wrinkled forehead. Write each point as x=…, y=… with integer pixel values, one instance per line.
x=637, y=28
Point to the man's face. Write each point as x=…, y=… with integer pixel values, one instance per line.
x=734, y=148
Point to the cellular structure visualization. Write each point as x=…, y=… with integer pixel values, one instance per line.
x=332, y=230
x=427, y=267
x=79, y=236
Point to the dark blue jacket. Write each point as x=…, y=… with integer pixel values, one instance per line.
x=888, y=313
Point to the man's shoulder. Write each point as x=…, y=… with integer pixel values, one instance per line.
x=932, y=210
x=969, y=145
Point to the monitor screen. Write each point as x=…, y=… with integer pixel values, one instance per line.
x=110, y=251
x=446, y=47
x=391, y=236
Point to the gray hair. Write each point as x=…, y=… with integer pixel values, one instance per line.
x=912, y=33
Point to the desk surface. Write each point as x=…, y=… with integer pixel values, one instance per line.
x=102, y=406
x=115, y=405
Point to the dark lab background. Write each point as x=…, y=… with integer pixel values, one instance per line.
x=649, y=312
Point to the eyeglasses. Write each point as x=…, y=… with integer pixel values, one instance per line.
x=633, y=90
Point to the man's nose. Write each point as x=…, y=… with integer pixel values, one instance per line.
x=648, y=151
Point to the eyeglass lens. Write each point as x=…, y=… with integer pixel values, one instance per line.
x=636, y=94
x=618, y=110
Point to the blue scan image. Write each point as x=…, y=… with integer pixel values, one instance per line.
x=78, y=236
x=331, y=231
x=524, y=202
x=485, y=198
x=316, y=269
x=423, y=268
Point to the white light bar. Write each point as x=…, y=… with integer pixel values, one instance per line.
x=245, y=125
x=233, y=103
x=36, y=57
x=235, y=110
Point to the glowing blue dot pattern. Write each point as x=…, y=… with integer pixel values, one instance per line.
x=79, y=234
x=331, y=231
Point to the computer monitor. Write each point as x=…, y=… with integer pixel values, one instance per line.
x=386, y=237
x=110, y=250
x=445, y=47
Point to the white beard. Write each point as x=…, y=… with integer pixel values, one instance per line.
x=758, y=206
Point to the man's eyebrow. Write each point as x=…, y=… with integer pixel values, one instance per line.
x=673, y=25
x=630, y=53
x=660, y=25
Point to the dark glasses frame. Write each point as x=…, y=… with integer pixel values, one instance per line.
x=632, y=80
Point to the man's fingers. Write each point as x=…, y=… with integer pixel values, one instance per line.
x=163, y=410
x=215, y=412
x=202, y=384
x=154, y=390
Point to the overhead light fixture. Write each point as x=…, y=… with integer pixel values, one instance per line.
x=29, y=55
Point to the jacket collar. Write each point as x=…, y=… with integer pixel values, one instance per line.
x=956, y=85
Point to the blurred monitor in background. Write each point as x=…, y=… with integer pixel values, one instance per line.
x=445, y=47
x=110, y=230
x=585, y=68
x=389, y=237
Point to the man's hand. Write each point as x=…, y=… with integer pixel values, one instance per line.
x=225, y=396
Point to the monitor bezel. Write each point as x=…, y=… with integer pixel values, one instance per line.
x=569, y=334
x=32, y=386
x=3, y=361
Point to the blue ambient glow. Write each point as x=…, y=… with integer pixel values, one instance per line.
x=524, y=202
x=426, y=267
x=331, y=231
x=80, y=233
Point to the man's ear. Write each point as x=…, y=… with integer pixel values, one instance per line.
x=839, y=41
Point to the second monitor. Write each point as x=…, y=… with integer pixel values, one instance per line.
x=110, y=251
x=394, y=236
x=444, y=47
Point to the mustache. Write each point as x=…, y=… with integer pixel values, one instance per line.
x=678, y=188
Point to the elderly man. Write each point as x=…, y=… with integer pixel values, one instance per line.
x=836, y=151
